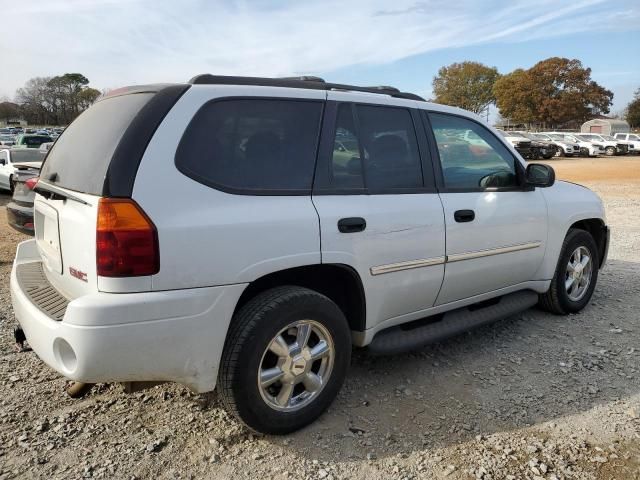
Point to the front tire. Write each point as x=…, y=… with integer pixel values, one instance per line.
x=611, y=151
x=576, y=275
x=560, y=152
x=284, y=360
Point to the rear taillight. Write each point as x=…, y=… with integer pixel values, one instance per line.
x=126, y=240
x=31, y=183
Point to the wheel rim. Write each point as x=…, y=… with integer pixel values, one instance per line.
x=578, y=273
x=296, y=365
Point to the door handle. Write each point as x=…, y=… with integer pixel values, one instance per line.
x=462, y=216
x=352, y=224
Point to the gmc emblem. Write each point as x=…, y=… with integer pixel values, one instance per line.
x=78, y=274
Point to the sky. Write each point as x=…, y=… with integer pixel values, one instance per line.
x=364, y=42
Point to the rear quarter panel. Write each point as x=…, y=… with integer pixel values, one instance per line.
x=208, y=237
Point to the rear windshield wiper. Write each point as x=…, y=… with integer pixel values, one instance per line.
x=54, y=193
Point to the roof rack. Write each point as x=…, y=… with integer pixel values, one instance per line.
x=308, y=82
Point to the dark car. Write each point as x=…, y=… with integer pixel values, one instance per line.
x=20, y=209
x=542, y=148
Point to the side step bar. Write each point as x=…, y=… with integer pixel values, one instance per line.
x=406, y=337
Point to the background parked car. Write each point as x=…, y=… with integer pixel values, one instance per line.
x=611, y=145
x=9, y=158
x=20, y=209
x=7, y=140
x=587, y=149
x=521, y=144
x=32, y=141
x=633, y=138
x=564, y=147
x=542, y=147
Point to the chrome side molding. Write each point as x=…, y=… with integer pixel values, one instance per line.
x=458, y=257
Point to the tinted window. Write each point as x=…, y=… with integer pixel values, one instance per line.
x=470, y=155
x=80, y=157
x=346, y=165
x=390, y=148
x=252, y=145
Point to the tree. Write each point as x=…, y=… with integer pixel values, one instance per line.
x=55, y=100
x=633, y=110
x=467, y=85
x=554, y=91
x=9, y=111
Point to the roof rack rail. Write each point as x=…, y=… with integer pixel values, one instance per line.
x=304, y=78
x=308, y=82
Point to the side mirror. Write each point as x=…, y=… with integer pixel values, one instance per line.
x=539, y=175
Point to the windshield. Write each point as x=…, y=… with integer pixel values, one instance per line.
x=634, y=137
x=590, y=138
x=26, y=155
x=608, y=137
x=556, y=137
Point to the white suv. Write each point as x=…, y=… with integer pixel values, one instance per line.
x=244, y=233
x=633, y=139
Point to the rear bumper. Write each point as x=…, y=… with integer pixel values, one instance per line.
x=175, y=336
x=20, y=218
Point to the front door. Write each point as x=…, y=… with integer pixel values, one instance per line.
x=496, y=228
x=378, y=208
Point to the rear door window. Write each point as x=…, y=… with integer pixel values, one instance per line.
x=392, y=160
x=253, y=146
x=80, y=157
x=378, y=155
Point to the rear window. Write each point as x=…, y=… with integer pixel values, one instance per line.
x=80, y=158
x=252, y=146
x=26, y=155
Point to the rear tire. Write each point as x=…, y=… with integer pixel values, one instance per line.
x=296, y=336
x=572, y=284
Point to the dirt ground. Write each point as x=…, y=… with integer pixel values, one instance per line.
x=534, y=397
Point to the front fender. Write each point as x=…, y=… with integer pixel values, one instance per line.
x=567, y=203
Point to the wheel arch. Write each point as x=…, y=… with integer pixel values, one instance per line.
x=339, y=282
x=598, y=230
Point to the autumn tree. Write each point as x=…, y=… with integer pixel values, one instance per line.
x=467, y=85
x=552, y=92
x=633, y=110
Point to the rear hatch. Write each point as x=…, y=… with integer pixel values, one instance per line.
x=72, y=180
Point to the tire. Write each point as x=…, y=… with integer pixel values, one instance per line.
x=247, y=356
x=12, y=186
x=558, y=298
x=560, y=152
x=611, y=151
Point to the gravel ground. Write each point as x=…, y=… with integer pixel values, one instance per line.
x=533, y=397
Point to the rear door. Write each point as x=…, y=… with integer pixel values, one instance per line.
x=496, y=227
x=379, y=211
x=72, y=181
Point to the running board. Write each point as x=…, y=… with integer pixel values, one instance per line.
x=414, y=335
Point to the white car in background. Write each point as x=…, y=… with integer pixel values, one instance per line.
x=565, y=148
x=587, y=148
x=632, y=138
x=610, y=144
